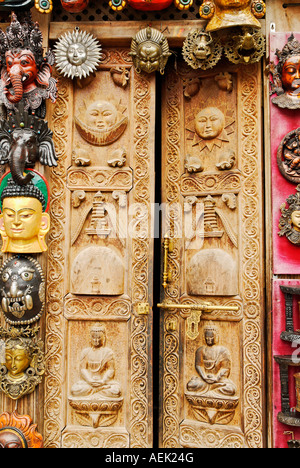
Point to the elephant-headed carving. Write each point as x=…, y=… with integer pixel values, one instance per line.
x=25, y=72
x=24, y=140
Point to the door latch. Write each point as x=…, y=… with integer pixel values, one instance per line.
x=196, y=310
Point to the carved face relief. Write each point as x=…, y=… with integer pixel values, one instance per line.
x=22, y=290
x=23, y=221
x=77, y=54
x=26, y=76
x=286, y=75
x=23, y=225
x=149, y=51
x=209, y=123
x=101, y=122
x=291, y=75
x=101, y=115
x=149, y=57
x=23, y=364
x=200, y=50
x=21, y=64
x=295, y=218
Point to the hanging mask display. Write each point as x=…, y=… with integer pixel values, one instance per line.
x=25, y=72
x=245, y=46
x=285, y=75
x=22, y=290
x=149, y=51
x=77, y=54
x=22, y=361
x=18, y=431
x=288, y=156
x=223, y=14
x=200, y=50
x=24, y=221
x=24, y=140
x=290, y=218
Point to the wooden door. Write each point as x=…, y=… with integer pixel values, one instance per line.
x=99, y=299
x=212, y=362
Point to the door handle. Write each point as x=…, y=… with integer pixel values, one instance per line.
x=197, y=307
x=168, y=248
x=193, y=320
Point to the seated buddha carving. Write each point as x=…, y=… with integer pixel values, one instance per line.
x=97, y=369
x=213, y=364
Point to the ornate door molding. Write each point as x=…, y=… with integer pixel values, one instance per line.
x=224, y=174
x=84, y=170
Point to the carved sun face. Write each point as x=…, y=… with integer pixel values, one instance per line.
x=77, y=54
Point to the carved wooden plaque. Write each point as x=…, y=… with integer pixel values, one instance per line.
x=212, y=381
x=97, y=385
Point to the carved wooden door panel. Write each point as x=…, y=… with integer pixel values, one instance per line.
x=98, y=330
x=211, y=358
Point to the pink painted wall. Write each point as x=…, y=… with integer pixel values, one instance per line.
x=286, y=256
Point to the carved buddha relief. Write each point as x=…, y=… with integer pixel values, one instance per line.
x=96, y=396
x=211, y=393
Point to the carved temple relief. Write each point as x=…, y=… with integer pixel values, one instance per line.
x=211, y=127
x=98, y=242
x=212, y=245
x=96, y=377
x=101, y=121
x=211, y=391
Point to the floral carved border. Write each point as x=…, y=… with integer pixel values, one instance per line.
x=139, y=393
x=54, y=422
x=141, y=360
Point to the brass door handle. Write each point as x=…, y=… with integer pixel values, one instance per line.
x=199, y=307
x=168, y=248
x=193, y=320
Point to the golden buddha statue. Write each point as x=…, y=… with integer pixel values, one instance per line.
x=23, y=221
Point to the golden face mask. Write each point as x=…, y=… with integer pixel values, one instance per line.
x=23, y=222
x=230, y=13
